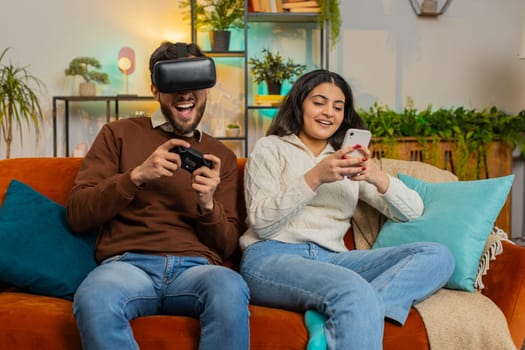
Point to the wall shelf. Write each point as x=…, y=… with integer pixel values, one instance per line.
x=255, y=118
x=116, y=100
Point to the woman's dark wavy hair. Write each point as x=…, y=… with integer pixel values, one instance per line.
x=289, y=118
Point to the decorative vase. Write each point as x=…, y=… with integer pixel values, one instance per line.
x=274, y=88
x=429, y=7
x=220, y=40
x=87, y=89
x=233, y=132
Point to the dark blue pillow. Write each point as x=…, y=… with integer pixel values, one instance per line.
x=38, y=251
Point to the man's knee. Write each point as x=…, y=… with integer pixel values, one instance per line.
x=230, y=285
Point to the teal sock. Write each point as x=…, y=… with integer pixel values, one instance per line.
x=314, y=322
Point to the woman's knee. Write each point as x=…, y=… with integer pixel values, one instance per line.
x=438, y=258
x=442, y=255
x=353, y=295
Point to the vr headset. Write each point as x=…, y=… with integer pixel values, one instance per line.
x=185, y=73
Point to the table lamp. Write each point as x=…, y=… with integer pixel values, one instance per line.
x=126, y=64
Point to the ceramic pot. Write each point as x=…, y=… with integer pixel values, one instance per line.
x=220, y=40
x=87, y=89
x=233, y=132
x=274, y=88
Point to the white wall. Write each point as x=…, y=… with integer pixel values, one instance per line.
x=466, y=57
x=46, y=35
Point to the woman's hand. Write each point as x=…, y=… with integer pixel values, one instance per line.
x=340, y=165
x=369, y=171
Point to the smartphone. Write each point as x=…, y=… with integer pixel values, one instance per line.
x=356, y=137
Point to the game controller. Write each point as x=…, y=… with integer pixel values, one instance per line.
x=191, y=159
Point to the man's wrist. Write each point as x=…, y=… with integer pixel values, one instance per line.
x=206, y=209
x=134, y=176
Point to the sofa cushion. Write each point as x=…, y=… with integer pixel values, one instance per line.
x=38, y=251
x=367, y=221
x=458, y=214
x=31, y=321
x=51, y=176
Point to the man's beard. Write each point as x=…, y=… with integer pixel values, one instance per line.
x=178, y=128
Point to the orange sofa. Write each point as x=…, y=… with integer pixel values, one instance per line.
x=29, y=321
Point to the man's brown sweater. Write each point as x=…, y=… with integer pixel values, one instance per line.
x=161, y=217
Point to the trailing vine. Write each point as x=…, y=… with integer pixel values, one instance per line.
x=330, y=12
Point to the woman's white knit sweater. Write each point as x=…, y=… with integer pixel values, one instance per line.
x=281, y=206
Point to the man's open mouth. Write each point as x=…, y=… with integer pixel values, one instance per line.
x=184, y=106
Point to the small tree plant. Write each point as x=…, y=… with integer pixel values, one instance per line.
x=80, y=66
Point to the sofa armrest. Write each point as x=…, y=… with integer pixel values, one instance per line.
x=505, y=286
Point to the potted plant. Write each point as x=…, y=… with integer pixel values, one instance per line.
x=274, y=70
x=218, y=17
x=472, y=143
x=81, y=66
x=233, y=130
x=18, y=102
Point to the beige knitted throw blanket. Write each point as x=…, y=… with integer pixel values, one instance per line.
x=458, y=320
x=454, y=320
x=461, y=320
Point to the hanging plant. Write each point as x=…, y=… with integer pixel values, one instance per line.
x=329, y=12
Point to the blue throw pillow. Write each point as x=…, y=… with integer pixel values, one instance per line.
x=458, y=214
x=38, y=251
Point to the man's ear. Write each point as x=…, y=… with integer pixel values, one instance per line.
x=155, y=92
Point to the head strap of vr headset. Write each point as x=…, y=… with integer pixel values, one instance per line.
x=182, y=50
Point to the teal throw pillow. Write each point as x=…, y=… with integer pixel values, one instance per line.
x=38, y=251
x=458, y=214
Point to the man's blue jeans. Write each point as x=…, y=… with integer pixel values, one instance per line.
x=134, y=285
x=355, y=290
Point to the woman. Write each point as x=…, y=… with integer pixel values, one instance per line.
x=301, y=191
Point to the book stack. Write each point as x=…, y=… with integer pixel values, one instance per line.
x=301, y=6
x=267, y=100
x=265, y=6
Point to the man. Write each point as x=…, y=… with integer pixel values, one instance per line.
x=163, y=230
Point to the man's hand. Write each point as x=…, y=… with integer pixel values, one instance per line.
x=160, y=163
x=205, y=182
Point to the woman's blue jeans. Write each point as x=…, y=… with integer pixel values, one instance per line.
x=355, y=290
x=134, y=285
